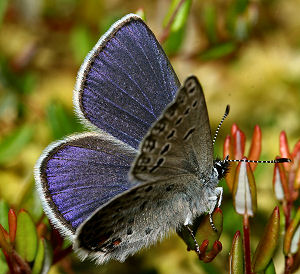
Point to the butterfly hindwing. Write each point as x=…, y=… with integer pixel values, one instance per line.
x=79, y=174
x=133, y=220
x=125, y=82
x=179, y=142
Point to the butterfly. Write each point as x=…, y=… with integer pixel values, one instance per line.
x=147, y=167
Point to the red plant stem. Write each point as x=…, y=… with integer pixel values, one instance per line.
x=166, y=31
x=287, y=214
x=288, y=264
x=8, y=261
x=246, y=240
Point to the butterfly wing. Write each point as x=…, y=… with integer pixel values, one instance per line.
x=125, y=82
x=133, y=220
x=180, y=141
x=168, y=196
x=76, y=176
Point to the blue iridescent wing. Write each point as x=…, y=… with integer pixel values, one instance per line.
x=125, y=82
x=79, y=174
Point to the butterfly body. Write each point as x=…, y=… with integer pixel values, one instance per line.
x=149, y=167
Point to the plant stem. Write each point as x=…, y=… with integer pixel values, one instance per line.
x=246, y=240
x=166, y=31
x=288, y=264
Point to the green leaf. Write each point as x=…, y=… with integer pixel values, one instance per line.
x=270, y=268
x=203, y=230
x=3, y=214
x=241, y=5
x=26, y=237
x=12, y=144
x=61, y=121
x=210, y=22
x=48, y=258
x=177, y=29
x=291, y=237
x=28, y=82
x=181, y=16
x=268, y=242
x=32, y=203
x=236, y=259
x=218, y=51
x=3, y=264
x=173, y=44
x=43, y=259
x=234, y=12
x=81, y=42
x=39, y=259
x=19, y=83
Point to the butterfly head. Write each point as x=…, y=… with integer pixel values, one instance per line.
x=221, y=167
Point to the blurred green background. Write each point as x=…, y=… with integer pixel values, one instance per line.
x=245, y=53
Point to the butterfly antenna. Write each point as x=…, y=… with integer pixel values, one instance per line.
x=279, y=160
x=220, y=124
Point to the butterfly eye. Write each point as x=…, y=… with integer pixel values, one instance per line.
x=149, y=145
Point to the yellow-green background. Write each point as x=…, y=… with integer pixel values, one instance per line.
x=250, y=61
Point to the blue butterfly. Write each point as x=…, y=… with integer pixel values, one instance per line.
x=148, y=166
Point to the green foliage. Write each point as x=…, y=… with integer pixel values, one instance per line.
x=26, y=237
x=270, y=269
x=3, y=214
x=12, y=144
x=177, y=26
x=218, y=51
x=38, y=263
x=43, y=259
x=3, y=264
x=17, y=81
x=81, y=42
x=210, y=22
x=61, y=121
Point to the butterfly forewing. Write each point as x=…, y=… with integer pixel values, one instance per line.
x=179, y=142
x=125, y=82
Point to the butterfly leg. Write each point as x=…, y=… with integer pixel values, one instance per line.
x=194, y=239
x=216, y=200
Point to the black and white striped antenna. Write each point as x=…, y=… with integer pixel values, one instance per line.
x=279, y=160
x=221, y=122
